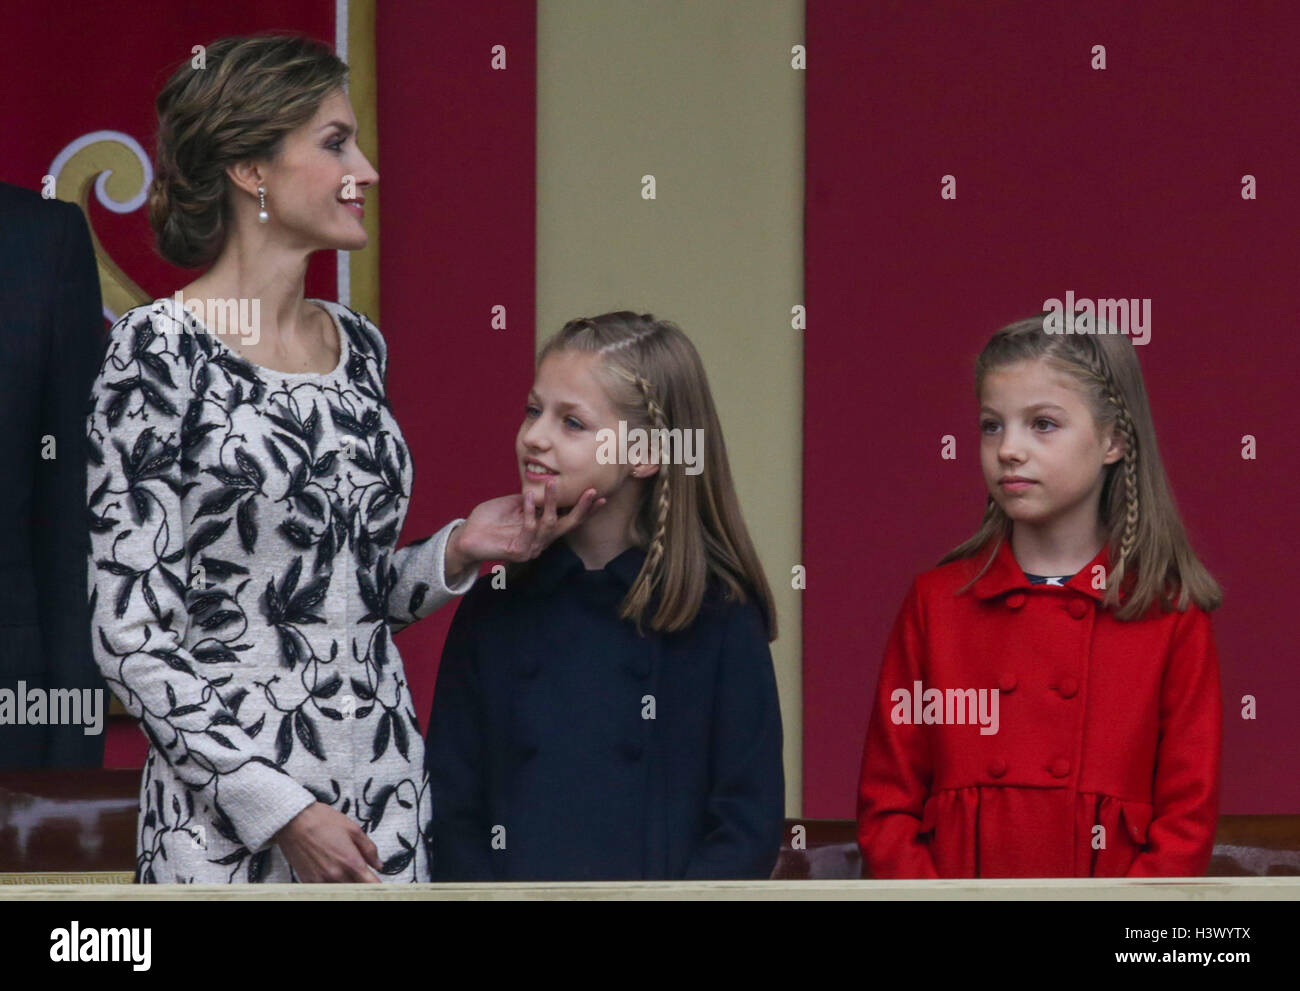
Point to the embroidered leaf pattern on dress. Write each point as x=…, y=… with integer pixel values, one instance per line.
x=245, y=584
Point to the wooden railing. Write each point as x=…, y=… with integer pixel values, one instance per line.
x=79, y=826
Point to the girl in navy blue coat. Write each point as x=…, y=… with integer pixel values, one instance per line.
x=609, y=710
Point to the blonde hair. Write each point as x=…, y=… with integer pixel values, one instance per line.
x=690, y=525
x=251, y=93
x=1150, y=555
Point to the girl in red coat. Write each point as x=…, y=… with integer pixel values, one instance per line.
x=1049, y=700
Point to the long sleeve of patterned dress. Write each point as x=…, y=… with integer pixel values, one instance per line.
x=143, y=546
x=417, y=582
x=244, y=588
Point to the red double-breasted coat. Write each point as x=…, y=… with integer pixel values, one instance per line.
x=1100, y=723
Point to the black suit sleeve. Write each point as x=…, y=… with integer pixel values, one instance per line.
x=73, y=334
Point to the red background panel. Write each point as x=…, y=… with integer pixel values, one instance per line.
x=1122, y=182
x=457, y=164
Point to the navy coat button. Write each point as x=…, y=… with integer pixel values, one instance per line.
x=630, y=751
x=1060, y=767
x=1007, y=683
x=528, y=667
x=1068, y=687
x=1077, y=608
x=1016, y=599
x=997, y=767
x=525, y=750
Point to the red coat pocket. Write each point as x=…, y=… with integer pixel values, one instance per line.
x=1125, y=823
x=1137, y=818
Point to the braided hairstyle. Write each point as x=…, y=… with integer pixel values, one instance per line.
x=1127, y=505
x=662, y=494
x=1151, y=559
x=690, y=525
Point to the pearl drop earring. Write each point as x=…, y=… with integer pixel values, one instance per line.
x=262, y=215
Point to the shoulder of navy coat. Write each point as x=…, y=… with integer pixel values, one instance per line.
x=563, y=746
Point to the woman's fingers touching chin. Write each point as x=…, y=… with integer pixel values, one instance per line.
x=585, y=505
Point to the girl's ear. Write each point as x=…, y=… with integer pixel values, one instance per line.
x=1115, y=447
x=644, y=471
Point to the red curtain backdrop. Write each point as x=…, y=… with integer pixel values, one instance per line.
x=457, y=164
x=1120, y=182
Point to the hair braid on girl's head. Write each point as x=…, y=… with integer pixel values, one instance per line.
x=1098, y=370
x=621, y=345
x=658, y=422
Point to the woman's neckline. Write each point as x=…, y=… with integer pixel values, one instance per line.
x=263, y=369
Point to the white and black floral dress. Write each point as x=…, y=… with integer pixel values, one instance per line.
x=244, y=588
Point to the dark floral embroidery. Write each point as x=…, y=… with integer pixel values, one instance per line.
x=245, y=586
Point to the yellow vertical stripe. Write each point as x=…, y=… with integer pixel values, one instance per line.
x=702, y=97
x=364, y=265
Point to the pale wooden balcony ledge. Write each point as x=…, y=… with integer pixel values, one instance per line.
x=1019, y=889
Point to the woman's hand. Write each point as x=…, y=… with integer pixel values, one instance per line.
x=322, y=844
x=509, y=529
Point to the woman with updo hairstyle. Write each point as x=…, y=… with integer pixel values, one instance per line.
x=251, y=94
x=246, y=487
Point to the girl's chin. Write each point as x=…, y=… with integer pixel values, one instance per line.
x=562, y=502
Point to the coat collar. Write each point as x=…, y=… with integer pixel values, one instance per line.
x=1005, y=574
x=559, y=563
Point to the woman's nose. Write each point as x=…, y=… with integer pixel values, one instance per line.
x=367, y=176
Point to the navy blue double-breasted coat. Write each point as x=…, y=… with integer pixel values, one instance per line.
x=563, y=746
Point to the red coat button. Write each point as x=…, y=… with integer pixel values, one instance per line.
x=1077, y=608
x=1060, y=767
x=1016, y=599
x=997, y=767
x=1007, y=683
x=1068, y=688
